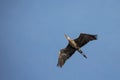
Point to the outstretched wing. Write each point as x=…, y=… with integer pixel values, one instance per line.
x=65, y=54
x=84, y=39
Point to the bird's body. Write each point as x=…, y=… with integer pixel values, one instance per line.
x=72, y=42
x=73, y=45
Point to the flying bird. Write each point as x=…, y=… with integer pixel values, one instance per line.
x=74, y=45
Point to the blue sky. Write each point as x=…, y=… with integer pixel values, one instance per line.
x=32, y=33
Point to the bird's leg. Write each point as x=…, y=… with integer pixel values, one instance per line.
x=80, y=51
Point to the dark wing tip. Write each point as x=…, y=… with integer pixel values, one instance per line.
x=95, y=37
x=62, y=58
x=92, y=37
x=58, y=65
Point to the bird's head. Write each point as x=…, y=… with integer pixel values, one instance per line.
x=67, y=37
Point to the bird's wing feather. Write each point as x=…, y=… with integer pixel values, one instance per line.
x=84, y=39
x=65, y=54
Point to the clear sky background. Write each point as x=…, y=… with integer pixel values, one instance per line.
x=32, y=33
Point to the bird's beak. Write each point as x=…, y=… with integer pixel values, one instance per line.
x=67, y=37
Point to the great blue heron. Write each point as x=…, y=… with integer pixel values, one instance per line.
x=73, y=45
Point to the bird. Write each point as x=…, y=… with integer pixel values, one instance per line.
x=74, y=45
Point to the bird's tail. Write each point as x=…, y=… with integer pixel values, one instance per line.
x=80, y=51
